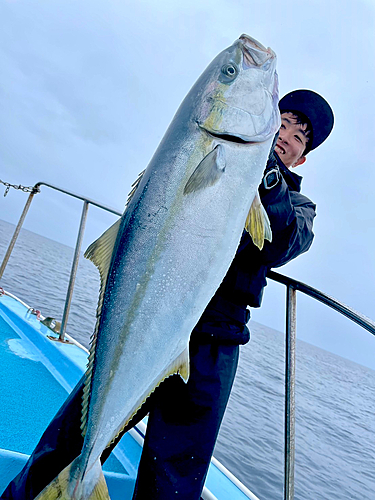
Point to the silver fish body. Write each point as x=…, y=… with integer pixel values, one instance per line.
x=175, y=242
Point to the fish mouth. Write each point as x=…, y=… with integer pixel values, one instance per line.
x=254, y=53
x=224, y=136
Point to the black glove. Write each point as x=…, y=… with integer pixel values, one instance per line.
x=272, y=162
x=271, y=175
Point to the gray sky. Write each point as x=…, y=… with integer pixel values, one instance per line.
x=88, y=88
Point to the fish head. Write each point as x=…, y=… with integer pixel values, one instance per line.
x=240, y=97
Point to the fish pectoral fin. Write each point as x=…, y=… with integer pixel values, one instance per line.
x=59, y=488
x=258, y=224
x=208, y=172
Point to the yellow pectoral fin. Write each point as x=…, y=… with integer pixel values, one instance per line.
x=258, y=224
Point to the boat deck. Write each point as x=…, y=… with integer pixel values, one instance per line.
x=36, y=375
x=40, y=397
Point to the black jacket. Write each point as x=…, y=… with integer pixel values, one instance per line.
x=291, y=215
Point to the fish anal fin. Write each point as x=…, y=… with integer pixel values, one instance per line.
x=258, y=224
x=100, y=251
x=208, y=172
x=180, y=366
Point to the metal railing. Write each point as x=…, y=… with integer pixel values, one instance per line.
x=292, y=286
x=73, y=272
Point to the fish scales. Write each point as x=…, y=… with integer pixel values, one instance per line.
x=162, y=262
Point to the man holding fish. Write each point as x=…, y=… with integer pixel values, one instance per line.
x=177, y=276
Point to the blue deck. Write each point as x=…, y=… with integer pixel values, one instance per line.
x=36, y=375
x=41, y=373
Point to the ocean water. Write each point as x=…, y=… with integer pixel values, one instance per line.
x=335, y=398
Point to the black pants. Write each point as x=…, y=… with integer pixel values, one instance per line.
x=184, y=420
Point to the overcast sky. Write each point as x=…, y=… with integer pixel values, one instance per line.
x=88, y=88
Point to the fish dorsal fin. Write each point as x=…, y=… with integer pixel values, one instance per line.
x=134, y=187
x=100, y=253
x=258, y=224
x=208, y=172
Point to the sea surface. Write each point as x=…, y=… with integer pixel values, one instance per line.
x=335, y=398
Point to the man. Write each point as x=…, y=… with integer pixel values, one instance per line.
x=184, y=419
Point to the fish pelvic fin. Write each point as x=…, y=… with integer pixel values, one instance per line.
x=100, y=253
x=258, y=224
x=208, y=172
x=59, y=488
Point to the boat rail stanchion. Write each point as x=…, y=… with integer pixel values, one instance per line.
x=73, y=271
x=18, y=229
x=290, y=377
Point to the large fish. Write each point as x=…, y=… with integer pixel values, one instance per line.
x=162, y=262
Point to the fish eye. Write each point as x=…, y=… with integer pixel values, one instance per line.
x=229, y=70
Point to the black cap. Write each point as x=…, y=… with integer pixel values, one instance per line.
x=315, y=108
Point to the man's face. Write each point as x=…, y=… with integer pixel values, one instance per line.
x=292, y=141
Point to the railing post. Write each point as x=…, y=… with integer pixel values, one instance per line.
x=73, y=272
x=17, y=231
x=290, y=375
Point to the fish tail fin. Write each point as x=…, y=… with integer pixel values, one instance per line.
x=57, y=489
x=100, y=491
x=62, y=488
x=258, y=224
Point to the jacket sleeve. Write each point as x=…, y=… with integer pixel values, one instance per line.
x=291, y=216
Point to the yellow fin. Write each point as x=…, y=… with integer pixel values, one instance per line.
x=208, y=172
x=100, y=253
x=100, y=491
x=58, y=488
x=180, y=366
x=258, y=224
